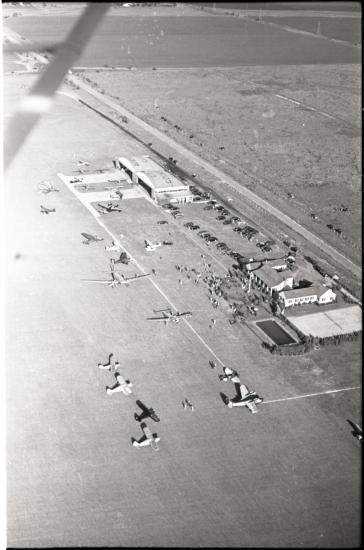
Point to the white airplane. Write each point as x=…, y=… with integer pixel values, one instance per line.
x=117, y=278
x=83, y=163
x=151, y=246
x=121, y=385
x=148, y=439
x=168, y=316
x=244, y=398
x=46, y=187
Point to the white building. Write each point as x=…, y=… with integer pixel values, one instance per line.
x=312, y=294
x=268, y=278
x=159, y=184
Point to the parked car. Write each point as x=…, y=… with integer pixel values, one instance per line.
x=236, y=219
x=208, y=207
x=221, y=245
x=188, y=224
x=219, y=208
x=162, y=222
x=221, y=217
x=194, y=227
x=225, y=212
x=227, y=222
x=330, y=226
x=211, y=239
x=237, y=229
x=212, y=202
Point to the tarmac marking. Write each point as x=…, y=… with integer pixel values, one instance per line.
x=311, y=394
x=101, y=223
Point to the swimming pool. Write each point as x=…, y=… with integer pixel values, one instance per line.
x=275, y=332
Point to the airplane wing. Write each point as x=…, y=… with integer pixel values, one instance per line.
x=39, y=100
x=87, y=236
x=131, y=279
x=148, y=243
x=157, y=318
x=96, y=281
x=241, y=390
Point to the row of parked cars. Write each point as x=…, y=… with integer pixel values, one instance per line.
x=176, y=213
x=247, y=231
x=199, y=195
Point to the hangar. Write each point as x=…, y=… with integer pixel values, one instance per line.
x=159, y=184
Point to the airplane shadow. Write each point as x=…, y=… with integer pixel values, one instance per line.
x=224, y=398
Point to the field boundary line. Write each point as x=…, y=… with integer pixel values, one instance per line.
x=310, y=395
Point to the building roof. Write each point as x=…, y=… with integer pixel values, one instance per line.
x=160, y=180
x=270, y=276
x=140, y=164
x=313, y=290
x=275, y=264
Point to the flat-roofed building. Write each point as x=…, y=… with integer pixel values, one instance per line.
x=308, y=295
x=137, y=164
x=159, y=184
x=164, y=187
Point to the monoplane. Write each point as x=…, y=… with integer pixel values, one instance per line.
x=117, y=278
x=110, y=207
x=83, y=163
x=168, y=316
x=91, y=238
x=148, y=439
x=357, y=431
x=151, y=246
x=147, y=412
x=244, y=398
x=46, y=187
x=45, y=210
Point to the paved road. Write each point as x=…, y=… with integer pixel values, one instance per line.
x=227, y=180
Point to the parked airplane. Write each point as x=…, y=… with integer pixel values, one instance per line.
x=45, y=210
x=169, y=315
x=46, y=187
x=151, y=246
x=148, y=439
x=83, y=163
x=110, y=207
x=357, y=431
x=117, y=278
x=91, y=238
x=244, y=398
x=147, y=412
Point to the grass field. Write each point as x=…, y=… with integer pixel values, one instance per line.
x=188, y=42
x=288, y=476
x=348, y=29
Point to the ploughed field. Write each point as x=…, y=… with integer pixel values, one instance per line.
x=187, y=42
